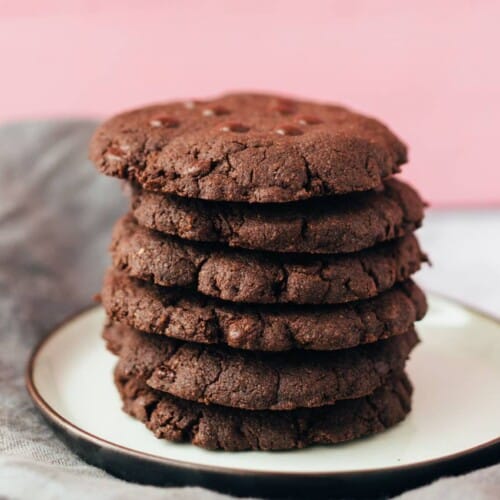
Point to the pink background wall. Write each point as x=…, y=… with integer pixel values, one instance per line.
x=431, y=69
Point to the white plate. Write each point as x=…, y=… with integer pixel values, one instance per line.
x=454, y=424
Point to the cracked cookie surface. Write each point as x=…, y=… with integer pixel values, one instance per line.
x=255, y=277
x=248, y=147
x=195, y=318
x=256, y=380
x=324, y=225
x=215, y=427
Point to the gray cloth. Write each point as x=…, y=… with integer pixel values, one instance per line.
x=55, y=218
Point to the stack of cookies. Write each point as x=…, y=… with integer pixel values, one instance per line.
x=260, y=295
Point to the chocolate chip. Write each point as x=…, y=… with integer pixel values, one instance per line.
x=308, y=120
x=215, y=111
x=234, y=127
x=164, y=121
x=288, y=130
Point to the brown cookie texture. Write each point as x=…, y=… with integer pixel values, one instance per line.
x=255, y=380
x=247, y=147
x=216, y=427
x=256, y=277
x=323, y=225
x=195, y=318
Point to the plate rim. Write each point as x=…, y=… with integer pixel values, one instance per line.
x=63, y=424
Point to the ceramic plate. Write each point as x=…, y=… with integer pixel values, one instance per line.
x=454, y=425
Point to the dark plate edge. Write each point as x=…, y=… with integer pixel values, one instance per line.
x=145, y=468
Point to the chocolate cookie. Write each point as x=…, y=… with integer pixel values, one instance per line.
x=323, y=225
x=247, y=147
x=257, y=380
x=254, y=277
x=195, y=318
x=217, y=427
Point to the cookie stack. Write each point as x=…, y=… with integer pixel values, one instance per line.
x=260, y=295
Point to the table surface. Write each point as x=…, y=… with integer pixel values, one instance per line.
x=55, y=218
